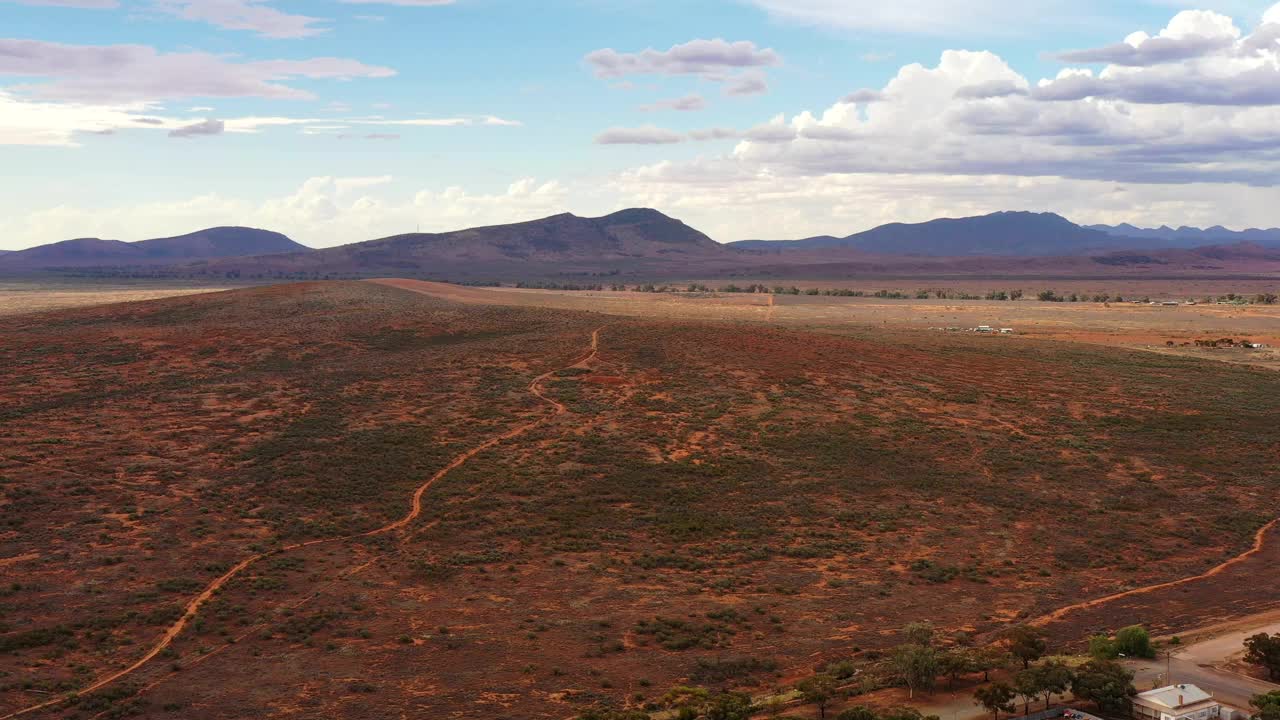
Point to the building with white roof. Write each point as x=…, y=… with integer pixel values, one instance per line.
x=1176, y=702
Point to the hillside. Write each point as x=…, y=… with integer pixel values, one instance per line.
x=1017, y=234
x=566, y=243
x=688, y=503
x=219, y=242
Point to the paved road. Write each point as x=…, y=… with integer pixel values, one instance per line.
x=1231, y=688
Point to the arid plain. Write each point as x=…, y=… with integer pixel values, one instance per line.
x=397, y=499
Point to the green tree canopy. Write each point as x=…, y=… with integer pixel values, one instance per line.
x=996, y=697
x=1105, y=683
x=1264, y=650
x=1026, y=643
x=1268, y=706
x=819, y=690
x=1135, y=641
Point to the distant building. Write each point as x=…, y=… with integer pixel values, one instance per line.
x=1006, y=331
x=1176, y=702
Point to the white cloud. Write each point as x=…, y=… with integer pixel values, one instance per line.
x=738, y=64
x=28, y=122
x=927, y=17
x=748, y=83
x=322, y=211
x=138, y=73
x=688, y=103
x=204, y=127
x=401, y=3
x=252, y=15
x=86, y=4
x=1200, y=58
x=711, y=59
x=647, y=135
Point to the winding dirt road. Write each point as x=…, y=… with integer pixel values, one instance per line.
x=415, y=511
x=1259, y=543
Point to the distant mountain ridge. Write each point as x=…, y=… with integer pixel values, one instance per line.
x=997, y=234
x=1013, y=234
x=1188, y=237
x=218, y=242
x=647, y=245
x=565, y=242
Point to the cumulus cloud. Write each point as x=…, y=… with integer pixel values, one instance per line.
x=204, y=127
x=252, y=15
x=863, y=96
x=1200, y=58
x=647, y=135
x=1003, y=87
x=1191, y=34
x=688, y=103
x=138, y=73
x=972, y=115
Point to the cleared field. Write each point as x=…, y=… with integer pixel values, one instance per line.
x=719, y=503
x=19, y=297
x=1115, y=324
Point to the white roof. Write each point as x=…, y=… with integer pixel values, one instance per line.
x=1169, y=696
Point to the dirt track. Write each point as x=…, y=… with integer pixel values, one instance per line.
x=1259, y=543
x=193, y=607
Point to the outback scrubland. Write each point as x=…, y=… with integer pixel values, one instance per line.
x=722, y=504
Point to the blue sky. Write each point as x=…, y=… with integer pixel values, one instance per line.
x=341, y=121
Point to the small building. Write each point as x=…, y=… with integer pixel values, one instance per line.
x=1006, y=331
x=1176, y=702
x=984, y=329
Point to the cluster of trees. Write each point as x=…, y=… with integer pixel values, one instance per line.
x=1133, y=641
x=1268, y=706
x=1104, y=682
x=1264, y=650
x=689, y=703
x=921, y=660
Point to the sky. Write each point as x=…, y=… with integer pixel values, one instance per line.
x=337, y=121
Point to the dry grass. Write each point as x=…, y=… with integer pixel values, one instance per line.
x=723, y=500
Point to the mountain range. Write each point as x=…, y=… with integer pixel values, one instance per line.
x=1017, y=234
x=645, y=243
x=219, y=242
x=1187, y=237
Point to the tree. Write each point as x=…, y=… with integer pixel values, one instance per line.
x=1027, y=685
x=728, y=706
x=1268, y=706
x=956, y=662
x=1055, y=678
x=989, y=658
x=917, y=666
x=819, y=690
x=1106, y=683
x=919, y=633
x=1264, y=650
x=1134, y=641
x=1102, y=647
x=1026, y=643
x=996, y=697
x=859, y=712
